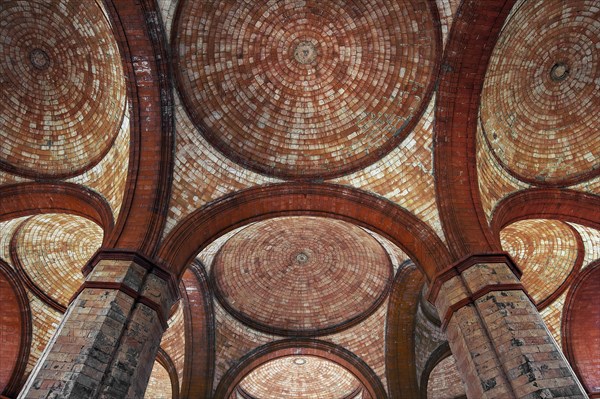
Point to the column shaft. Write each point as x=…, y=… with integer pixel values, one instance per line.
x=107, y=341
x=502, y=346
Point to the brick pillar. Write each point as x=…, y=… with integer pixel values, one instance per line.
x=501, y=344
x=107, y=341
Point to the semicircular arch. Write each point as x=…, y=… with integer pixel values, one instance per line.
x=403, y=228
x=310, y=347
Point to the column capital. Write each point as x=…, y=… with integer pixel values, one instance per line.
x=135, y=275
x=126, y=255
x=458, y=267
x=470, y=278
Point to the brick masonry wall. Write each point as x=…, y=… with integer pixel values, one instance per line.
x=11, y=331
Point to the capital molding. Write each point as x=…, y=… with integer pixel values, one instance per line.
x=458, y=267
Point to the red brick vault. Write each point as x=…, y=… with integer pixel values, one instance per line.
x=300, y=199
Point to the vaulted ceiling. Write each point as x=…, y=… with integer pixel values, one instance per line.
x=305, y=167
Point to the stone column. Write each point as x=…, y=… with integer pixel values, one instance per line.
x=107, y=341
x=501, y=344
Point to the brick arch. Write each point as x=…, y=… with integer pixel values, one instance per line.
x=472, y=38
x=163, y=358
x=579, y=328
x=547, y=203
x=400, y=360
x=198, y=370
x=326, y=350
x=577, y=264
x=439, y=354
x=25, y=199
x=204, y=225
x=550, y=203
x=16, y=311
x=142, y=44
x=449, y=383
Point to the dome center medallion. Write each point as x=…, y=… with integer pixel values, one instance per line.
x=559, y=71
x=302, y=258
x=39, y=59
x=305, y=52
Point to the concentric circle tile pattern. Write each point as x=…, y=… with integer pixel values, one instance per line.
x=302, y=89
x=61, y=84
x=542, y=92
x=300, y=377
x=301, y=275
x=545, y=250
x=52, y=249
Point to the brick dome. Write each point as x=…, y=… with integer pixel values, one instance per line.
x=64, y=243
x=541, y=94
x=309, y=88
x=307, y=198
x=300, y=377
x=62, y=87
x=546, y=250
x=301, y=275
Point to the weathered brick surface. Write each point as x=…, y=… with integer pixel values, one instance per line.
x=81, y=350
x=107, y=341
x=130, y=370
x=500, y=342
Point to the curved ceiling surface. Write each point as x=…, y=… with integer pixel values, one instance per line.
x=300, y=377
x=541, y=94
x=62, y=87
x=51, y=250
x=301, y=275
x=303, y=89
x=546, y=250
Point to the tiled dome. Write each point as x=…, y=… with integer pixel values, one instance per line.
x=305, y=89
x=542, y=91
x=300, y=275
x=62, y=87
